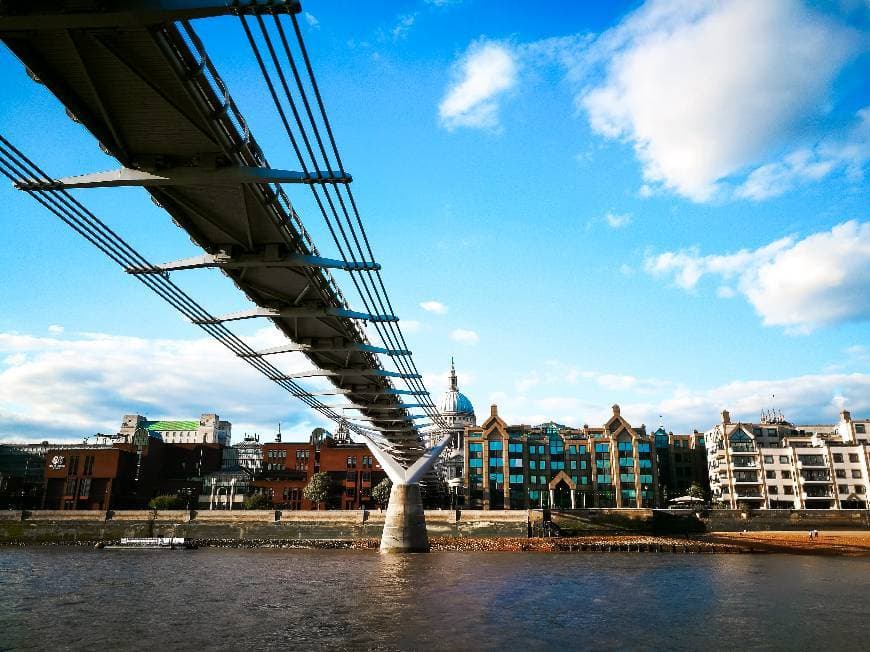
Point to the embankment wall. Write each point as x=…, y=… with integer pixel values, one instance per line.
x=73, y=526
x=251, y=526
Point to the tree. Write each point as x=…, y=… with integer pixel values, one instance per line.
x=317, y=489
x=166, y=501
x=381, y=492
x=258, y=501
x=696, y=491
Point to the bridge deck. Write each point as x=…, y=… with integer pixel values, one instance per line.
x=146, y=95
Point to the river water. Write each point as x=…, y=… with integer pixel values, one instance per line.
x=67, y=598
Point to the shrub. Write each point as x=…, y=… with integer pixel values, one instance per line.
x=258, y=501
x=381, y=492
x=167, y=501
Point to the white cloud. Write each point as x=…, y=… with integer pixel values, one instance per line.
x=482, y=75
x=811, y=398
x=525, y=384
x=703, y=90
x=311, y=20
x=55, y=329
x=812, y=164
x=616, y=220
x=411, y=326
x=464, y=336
x=403, y=26
x=799, y=284
x=434, y=306
x=54, y=388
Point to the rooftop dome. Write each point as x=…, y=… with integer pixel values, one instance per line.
x=454, y=401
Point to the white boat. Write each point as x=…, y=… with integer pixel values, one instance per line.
x=153, y=543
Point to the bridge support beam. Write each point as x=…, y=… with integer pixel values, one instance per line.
x=405, y=522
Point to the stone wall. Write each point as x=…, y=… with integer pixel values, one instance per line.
x=73, y=526
x=728, y=520
x=239, y=526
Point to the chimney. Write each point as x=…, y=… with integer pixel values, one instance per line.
x=493, y=410
x=726, y=417
x=615, y=410
x=846, y=416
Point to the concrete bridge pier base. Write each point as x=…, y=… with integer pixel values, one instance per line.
x=405, y=522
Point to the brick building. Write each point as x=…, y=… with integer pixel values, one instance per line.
x=125, y=475
x=288, y=466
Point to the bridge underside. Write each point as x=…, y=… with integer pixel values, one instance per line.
x=154, y=103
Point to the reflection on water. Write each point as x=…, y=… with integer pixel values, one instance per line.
x=290, y=599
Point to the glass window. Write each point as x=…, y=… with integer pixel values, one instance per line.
x=495, y=446
x=533, y=464
x=626, y=477
x=602, y=448
x=840, y=473
x=495, y=462
x=573, y=464
x=475, y=463
x=584, y=479
x=784, y=459
x=542, y=465
x=515, y=448
x=572, y=449
x=496, y=477
x=856, y=473
x=557, y=465
x=541, y=449
x=772, y=489
x=516, y=462
x=853, y=457
x=786, y=475
x=516, y=479
x=581, y=449
x=645, y=464
x=646, y=478
x=583, y=464
x=603, y=479
x=770, y=474
x=475, y=448
x=788, y=490
x=768, y=459
x=643, y=447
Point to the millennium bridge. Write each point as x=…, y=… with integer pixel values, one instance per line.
x=137, y=76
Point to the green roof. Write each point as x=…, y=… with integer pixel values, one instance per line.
x=172, y=425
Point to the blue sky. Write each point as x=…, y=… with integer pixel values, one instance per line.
x=661, y=205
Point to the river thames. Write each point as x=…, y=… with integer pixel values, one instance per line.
x=226, y=599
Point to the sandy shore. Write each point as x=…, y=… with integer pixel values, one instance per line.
x=828, y=543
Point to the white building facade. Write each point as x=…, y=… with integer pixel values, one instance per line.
x=208, y=429
x=774, y=464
